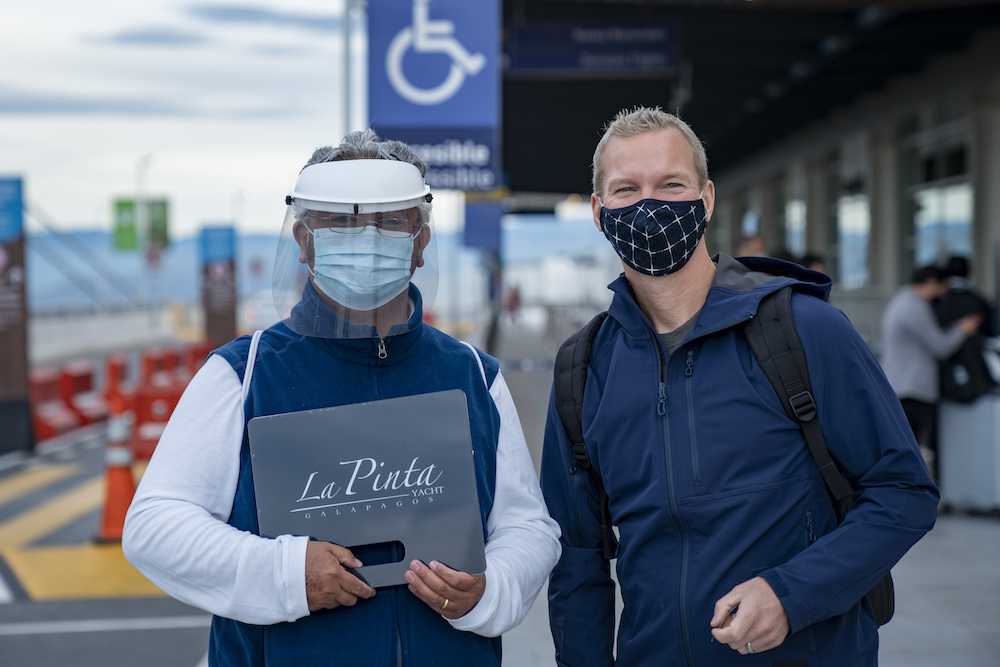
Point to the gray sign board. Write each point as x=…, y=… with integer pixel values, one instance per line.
x=395, y=470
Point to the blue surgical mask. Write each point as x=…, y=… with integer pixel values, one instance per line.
x=655, y=237
x=361, y=271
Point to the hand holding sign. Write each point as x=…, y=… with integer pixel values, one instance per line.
x=416, y=484
x=448, y=592
x=328, y=583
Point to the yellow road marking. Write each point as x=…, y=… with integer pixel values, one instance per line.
x=52, y=515
x=77, y=572
x=74, y=571
x=35, y=478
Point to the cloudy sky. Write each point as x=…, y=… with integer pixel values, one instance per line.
x=230, y=98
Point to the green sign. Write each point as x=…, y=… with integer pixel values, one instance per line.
x=155, y=232
x=126, y=230
x=157, y=219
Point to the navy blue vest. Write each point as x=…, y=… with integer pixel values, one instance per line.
x=294, y=372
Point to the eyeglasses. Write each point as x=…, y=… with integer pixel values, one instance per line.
x=344, y=223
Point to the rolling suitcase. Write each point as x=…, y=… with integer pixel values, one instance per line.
x=969, y=454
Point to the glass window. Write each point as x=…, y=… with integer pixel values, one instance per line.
x=853, y=232
x=849, y=172
x=750, y=223
x=936, y=195
x=795, y=226
x=942, y=223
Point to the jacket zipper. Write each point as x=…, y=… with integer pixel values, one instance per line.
x=685, y=539
x=382, y=354
x=688, y=373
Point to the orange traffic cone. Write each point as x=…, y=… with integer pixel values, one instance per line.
x=119, y=485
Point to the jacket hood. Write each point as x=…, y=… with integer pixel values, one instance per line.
x=747, y=274
x=735, y=294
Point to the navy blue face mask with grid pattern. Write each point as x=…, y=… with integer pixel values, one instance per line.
x=655, y=237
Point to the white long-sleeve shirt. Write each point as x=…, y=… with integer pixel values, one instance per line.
x=176, y=532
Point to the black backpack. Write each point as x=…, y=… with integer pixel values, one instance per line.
x=775, y=343
x=965, y=375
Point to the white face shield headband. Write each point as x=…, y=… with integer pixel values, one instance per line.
x=350, y=259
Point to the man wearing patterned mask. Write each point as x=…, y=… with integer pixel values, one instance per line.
x=730, y=550
x=354, y=272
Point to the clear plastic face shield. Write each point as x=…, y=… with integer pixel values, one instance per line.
x=357, y=257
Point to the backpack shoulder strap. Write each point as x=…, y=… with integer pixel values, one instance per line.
x=776, y=345
x=251, y=362
x=774, y=341
x=570, y=379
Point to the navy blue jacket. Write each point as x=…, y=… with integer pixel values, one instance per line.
x=295, y=372
x=711, y=484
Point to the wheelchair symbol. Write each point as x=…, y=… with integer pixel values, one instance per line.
x=426, y=36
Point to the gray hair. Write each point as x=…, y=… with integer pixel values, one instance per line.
x=366, y=145
x=631, y=122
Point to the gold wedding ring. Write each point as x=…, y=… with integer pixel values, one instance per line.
x=445, y=605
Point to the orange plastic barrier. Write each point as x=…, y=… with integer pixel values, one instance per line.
x=115, y=373
x=50, y=415
x=154, y=401
x=158, y=358
x=76, y=389
x=116, y=381
x=171, y=358
x=195, y=355
x=65, y=399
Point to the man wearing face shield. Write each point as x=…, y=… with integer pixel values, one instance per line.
x=359, y=230
x=730, y=552
x=354, y=273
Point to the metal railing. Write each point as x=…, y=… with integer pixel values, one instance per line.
x=55, y=336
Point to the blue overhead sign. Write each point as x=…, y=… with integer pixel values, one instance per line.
x=11, y=209
x=434, y=82
x=592, y=50
x=482, y=225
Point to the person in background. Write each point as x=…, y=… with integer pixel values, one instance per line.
x=961, y=298
x=814, y=261
x=965, y=375
x=357, y=234
x=750, y=246
x=781, y=252
x=913, y=344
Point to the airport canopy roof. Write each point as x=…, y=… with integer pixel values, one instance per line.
x=748, y=72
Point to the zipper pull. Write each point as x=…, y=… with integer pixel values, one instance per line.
x=382, y=354
x=689, y=371
x=661, y=406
